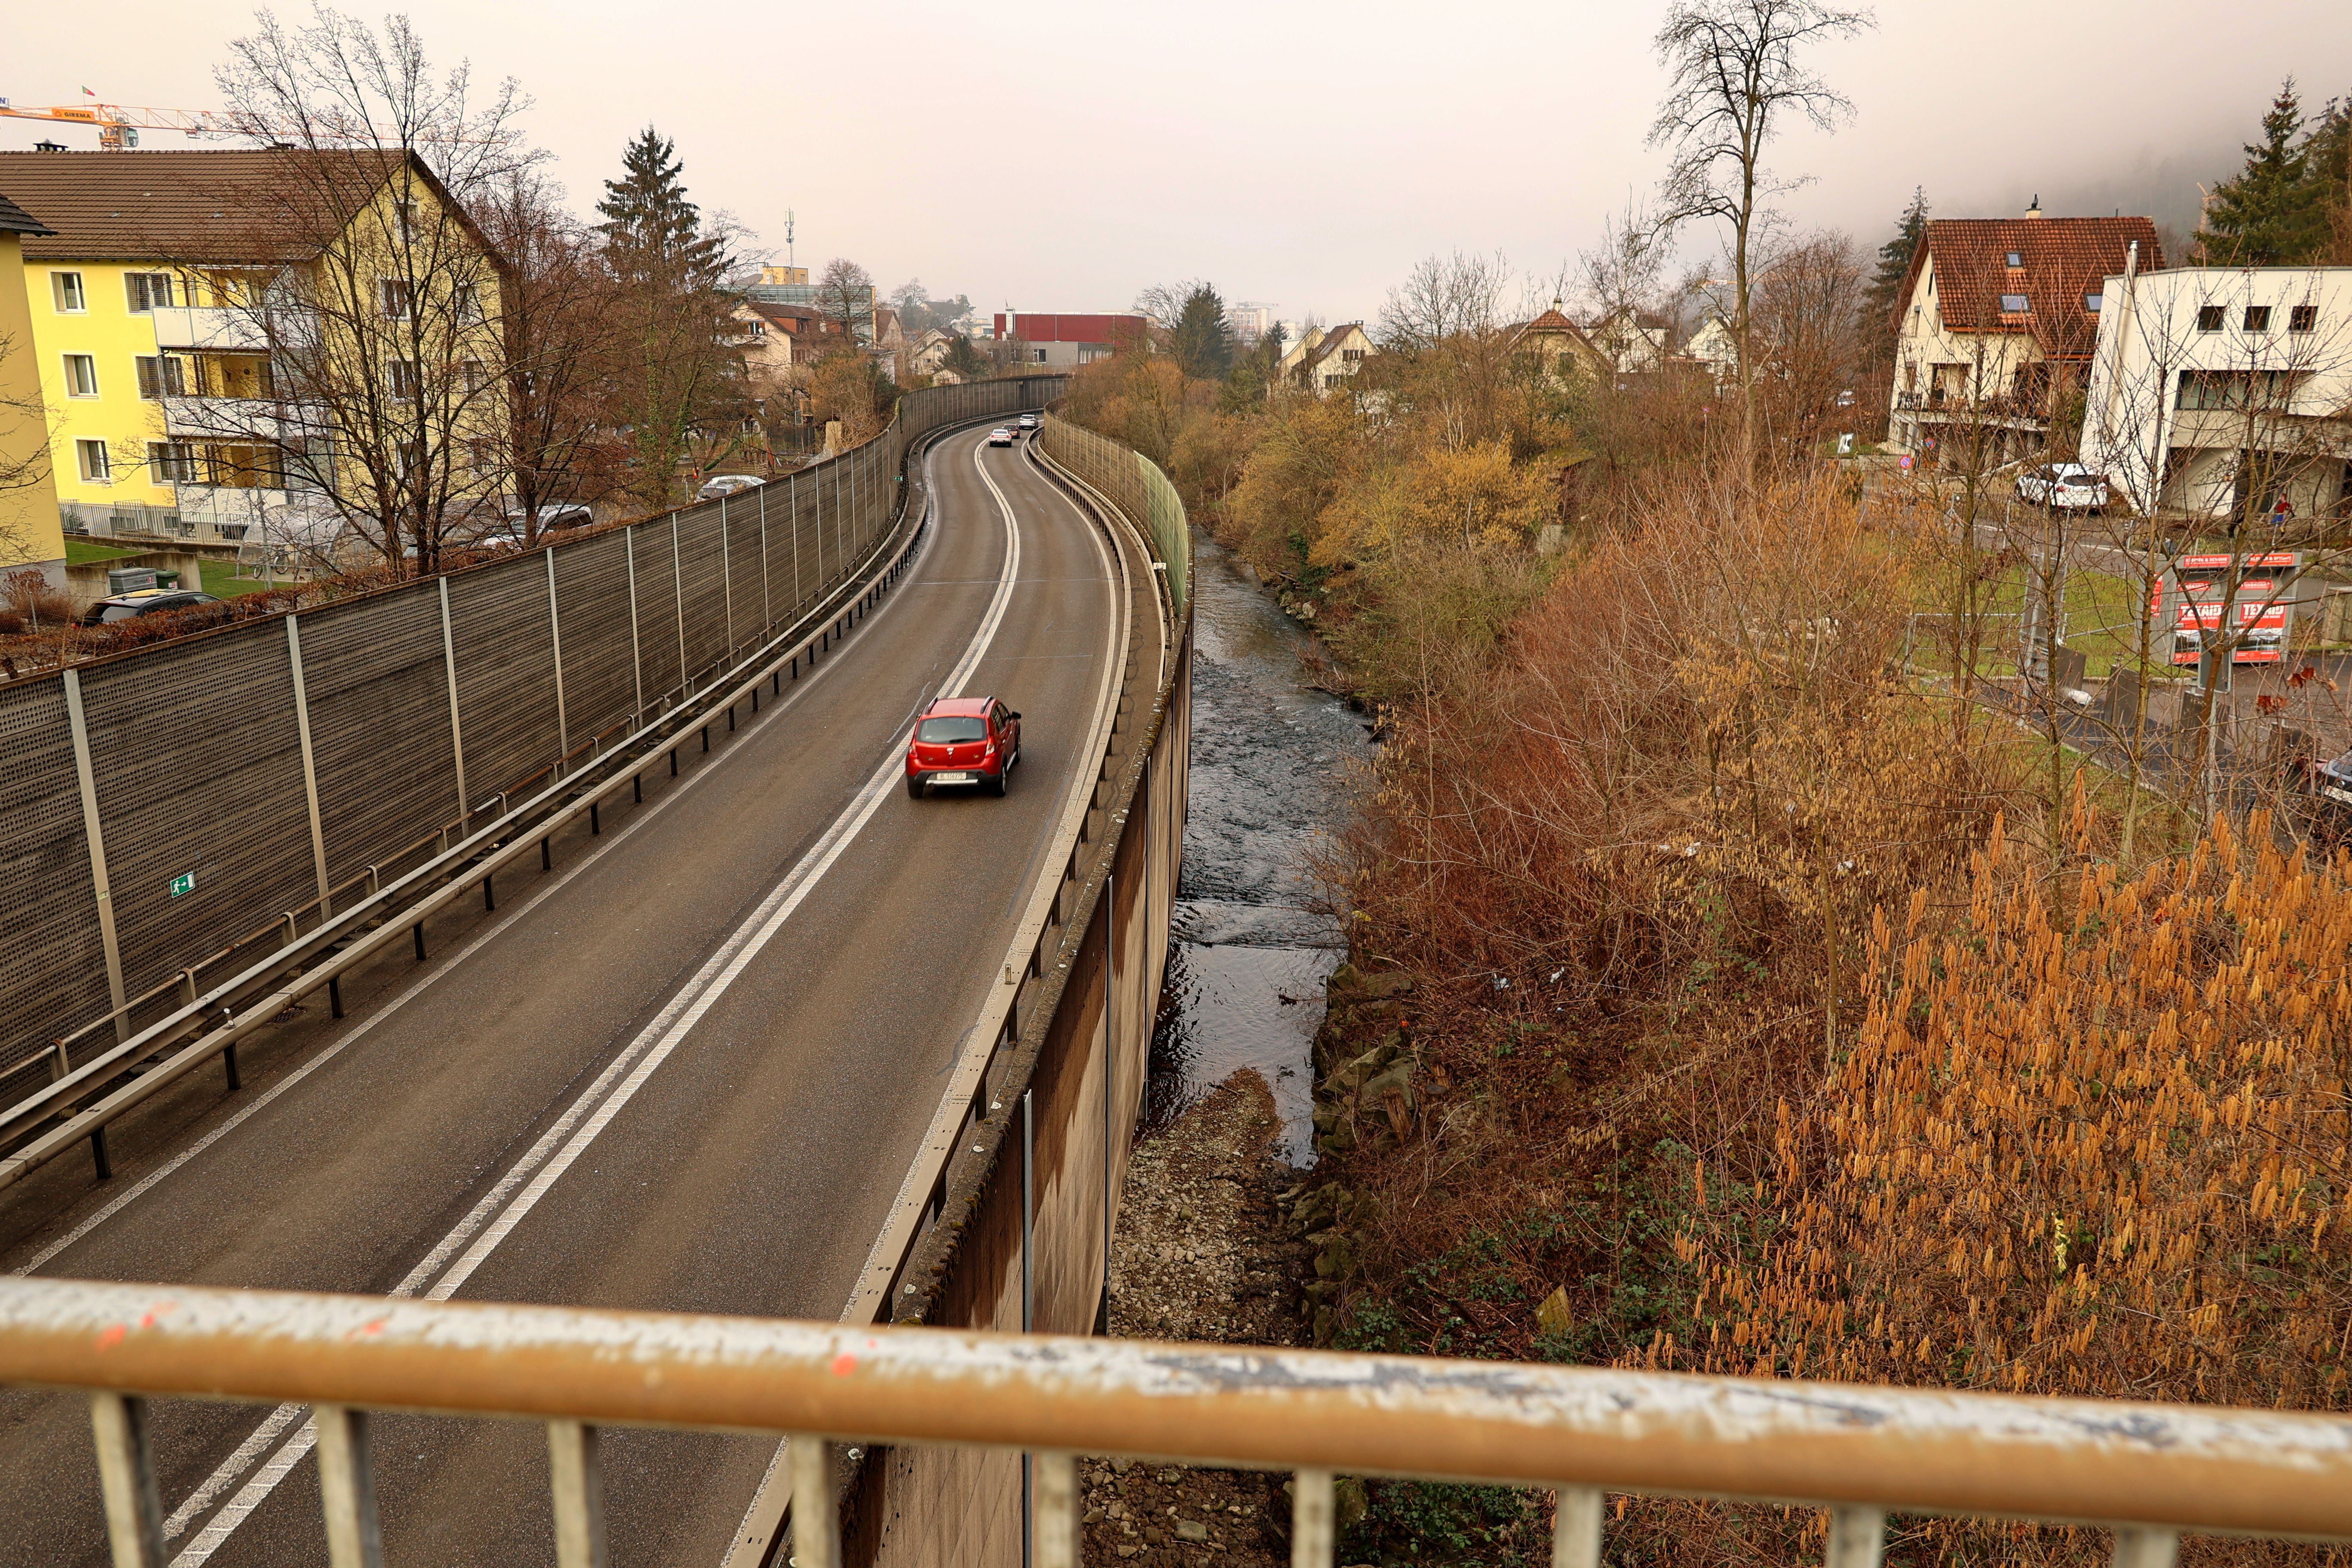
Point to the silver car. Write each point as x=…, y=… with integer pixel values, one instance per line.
x=2064, y=486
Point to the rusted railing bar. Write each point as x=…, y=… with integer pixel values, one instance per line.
x=577, y=1486
x=1054, y=1511
x=347, y=1487
x=126, y=1476
x=817, y=1520
x=2191, y=1467
x=1857, y=1537
x=1576, y=1528
x=1311, y=1519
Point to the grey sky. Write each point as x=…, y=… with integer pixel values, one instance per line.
x=1061, y=156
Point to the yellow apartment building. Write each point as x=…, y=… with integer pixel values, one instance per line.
x=170, y=413
x=30, y=533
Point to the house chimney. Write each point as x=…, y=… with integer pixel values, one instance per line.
x=2035, y=210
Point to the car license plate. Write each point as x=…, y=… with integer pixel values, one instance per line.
x=951, y=778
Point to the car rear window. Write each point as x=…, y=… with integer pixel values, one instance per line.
x=945, y=732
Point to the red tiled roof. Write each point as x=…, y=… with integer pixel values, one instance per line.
x=2064, y=259
x=198, y=204
x=15, y=219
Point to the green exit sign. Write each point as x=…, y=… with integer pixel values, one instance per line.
x=186, y=882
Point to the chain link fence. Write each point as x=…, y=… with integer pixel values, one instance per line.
x=169, y=807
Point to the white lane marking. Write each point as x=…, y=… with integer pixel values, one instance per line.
x=494, y=1217
x=764, y=1513
x=482, y=940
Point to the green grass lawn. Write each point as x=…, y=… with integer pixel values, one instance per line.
x=83, y=552
x=221, y=582
x=2101, y=623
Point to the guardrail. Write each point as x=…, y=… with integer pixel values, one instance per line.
x=80, y=1100
x=2148, y=1472
x=314, y=745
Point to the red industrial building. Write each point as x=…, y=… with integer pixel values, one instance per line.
x=1051, y=339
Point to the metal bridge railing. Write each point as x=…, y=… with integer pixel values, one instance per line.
x=2149, y=1472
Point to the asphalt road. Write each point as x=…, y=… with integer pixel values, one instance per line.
x=686, y=1070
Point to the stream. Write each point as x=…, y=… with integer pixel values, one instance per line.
x=1272, y=763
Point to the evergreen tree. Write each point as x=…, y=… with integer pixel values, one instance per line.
x=2274, y=211
x=670, y=319
x=1883, y=295
x=652, y=232
x=2327, y=163
x=1203, y=339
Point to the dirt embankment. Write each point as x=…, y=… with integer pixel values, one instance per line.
x=1202, y=1253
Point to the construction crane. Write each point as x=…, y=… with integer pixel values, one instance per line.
x=119, y=125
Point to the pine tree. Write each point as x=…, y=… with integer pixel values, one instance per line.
x=1883, y=295
x=2273, y=212
x=1204, y=340
x=652, y=232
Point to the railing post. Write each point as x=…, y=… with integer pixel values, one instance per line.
x=309, y=766
x=576, y=1485
x=636, y=655
x=126, y=1478
x=816, y=1528
x=555, y=657
x=2145, y=1546
x=1857, y=1536
x=347, y=1487
x=456, y=734
x=86, y=778
x=1576, y=1528
x=1055, y=1544
x=1310, y=1519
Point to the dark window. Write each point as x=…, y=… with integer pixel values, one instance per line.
x=2258, y=318
x=400, y=378
x=394, y=292
x=2302, y=319
x=2210, y=318
x=172, y=462
x=2015, y=305
x=2015, y=260
x=148, y=290
x=159, y=376
x=948, y=731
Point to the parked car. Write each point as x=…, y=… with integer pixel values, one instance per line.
x=1001, y=437
x=720, y=485
x=552, y=516
x=1028, y=422
x=2065, y=487
x=964, y=741
x=144, y=602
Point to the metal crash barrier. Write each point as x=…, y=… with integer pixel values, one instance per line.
x=2148, y=1471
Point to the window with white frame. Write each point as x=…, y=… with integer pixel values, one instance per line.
x=2015, y=305
x=148, y=291
x=466, y=303
x=160, y=376
x=400, y=379
x=475, y=376
x=65, y=288
x=394, y=294
x=81, y=375
x=172, y=462
x=90, y=457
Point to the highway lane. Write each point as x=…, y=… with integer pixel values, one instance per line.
x=751, y=1161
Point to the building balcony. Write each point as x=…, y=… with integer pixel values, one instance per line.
x=202, y=329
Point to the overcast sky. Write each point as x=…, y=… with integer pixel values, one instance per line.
x=1306, y=152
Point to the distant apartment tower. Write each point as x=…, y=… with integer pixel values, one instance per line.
x=784, y=277
x=1250, y=320
x=1062, y=340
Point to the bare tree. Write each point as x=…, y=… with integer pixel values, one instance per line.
x=1805, y=328
x=1623, y=277
x=366, y=383
x=1735, y=77
x=847, y=293
x=24, y=451
x=560, y=342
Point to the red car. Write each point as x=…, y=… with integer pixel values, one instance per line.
x=964, y=741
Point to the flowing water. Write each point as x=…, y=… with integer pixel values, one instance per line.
x=1272, y=761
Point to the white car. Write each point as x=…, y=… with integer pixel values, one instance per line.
x=1028, y=422
x=1001, y=437
x=2067, y=486
x=727, y=485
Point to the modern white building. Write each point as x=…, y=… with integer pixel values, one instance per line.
x=2225, y=390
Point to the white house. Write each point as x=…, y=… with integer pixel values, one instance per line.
x=1326, y=358
x=1714, y=348
x=2219, y=391
x=1997, y=317
x=1635, y=341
